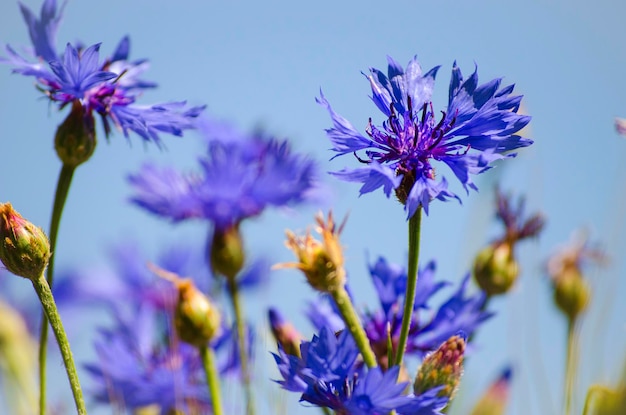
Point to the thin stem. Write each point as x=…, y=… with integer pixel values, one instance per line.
x=342, y=299
x=570, y=365
x=243, y=347
x=49, y=307
x=411, y=284
x=63, y=186
x=210, y=369
x=326, y=411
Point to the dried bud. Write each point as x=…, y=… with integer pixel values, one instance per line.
x=75, y=140
x=24, y=248
x=227, y=253
x=442, y=368
x=196, y=319
x=494, y=401
x=284, y=333
x=495, y=268
x=321, y=262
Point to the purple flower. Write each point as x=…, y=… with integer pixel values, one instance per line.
x=478, y=126
x=459, y=313
x=109, y=88
x=240, y=176
x=329, y=375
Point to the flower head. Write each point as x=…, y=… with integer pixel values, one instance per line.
x=478, y=126
x=239, y=178
x=494, y=400
x=329, y=375
x=108, y=88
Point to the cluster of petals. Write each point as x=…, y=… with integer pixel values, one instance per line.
x=460, y=312
x=241, y=174
x=108, y=88
x=329, y=375
x=478, y=127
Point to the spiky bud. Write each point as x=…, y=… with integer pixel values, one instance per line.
x=571, y=293
x=321, y=262
x=495, y=268
x=442, y=368
x=284, y=333
x=24, y=248
x=75, y=139
x=227, y=253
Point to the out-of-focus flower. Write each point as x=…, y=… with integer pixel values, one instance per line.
x=329, y=375
x=239, y=178
x=477, y=128
x=495, y=267
x=109, y=88
x=136, y=368
x=459, y=312
x=284, y=333
x=494, y=401
x=620, y=126
x=565, y=267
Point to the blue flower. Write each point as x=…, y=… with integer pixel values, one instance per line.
x=329, y=375
x=109, y=88
x=459, y=312
x=478, y=126
x=240, y=176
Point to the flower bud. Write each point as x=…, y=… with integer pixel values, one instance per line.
x=442, y=368
x=196, y=319
x=227, y=254
x=495, y=268
x=24, y=248
x=75, y=139
x=494, y=401
x=321, y=262
x=571, y=292
x=284, y=333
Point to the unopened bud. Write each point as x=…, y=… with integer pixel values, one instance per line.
x=24, y=248
x=494, y=401
x=442, y=368
x=227, y=253
x=196, y=319
x=284, y=333
x=321, y=262
x=495, y=268
x=75, y=139
x=571, y=292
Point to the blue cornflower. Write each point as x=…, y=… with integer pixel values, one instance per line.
x=109, y=88
x=459, y=312
x=478, y=126
x=240, y=176
x=329, y=375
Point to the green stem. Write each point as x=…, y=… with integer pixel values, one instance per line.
x=63, y=186
x=212, y=378
x=326, y=411
x=342, y=299
x=243, y=347
x=49, y=307
x=411, y=284
x=570, y=365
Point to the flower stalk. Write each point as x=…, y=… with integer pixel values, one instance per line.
x=210, y=369
x=353, y=324
x=409, y=298
x=50, y=309
x=63, y=186
x=570, y=365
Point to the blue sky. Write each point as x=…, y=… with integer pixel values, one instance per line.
x=263, y=63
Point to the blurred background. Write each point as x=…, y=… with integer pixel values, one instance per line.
x=261, y=64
